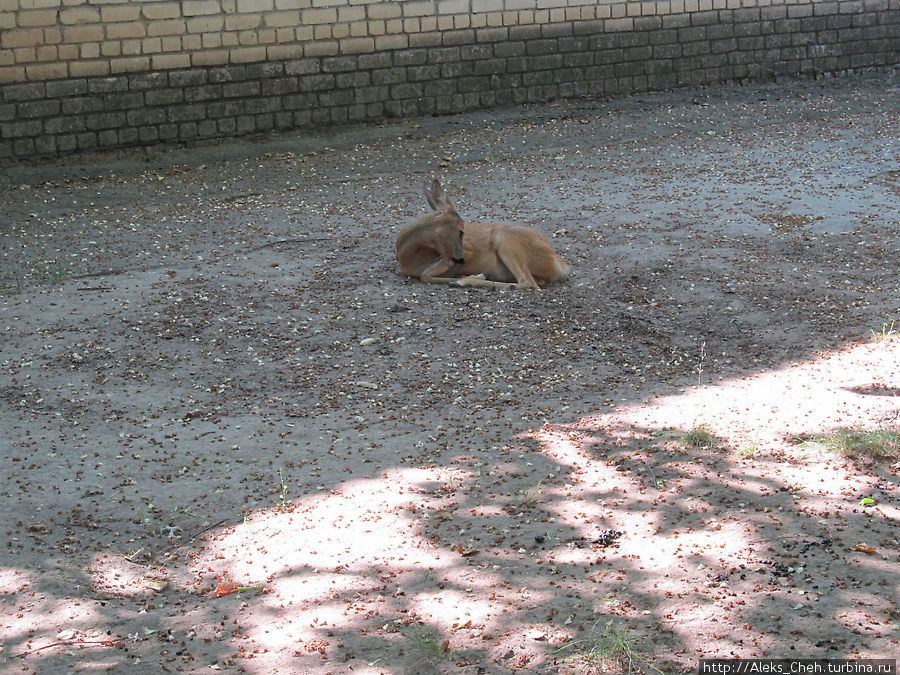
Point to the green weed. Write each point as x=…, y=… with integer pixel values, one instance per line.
x=611, y=647
x=428, y=642
x=528, y=499
x=887, y=330
x=859, y=443
x=52, y=274
x=700, y=436
x=284, y=488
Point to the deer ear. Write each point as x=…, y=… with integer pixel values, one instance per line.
x=429, y=191
x=437, y=198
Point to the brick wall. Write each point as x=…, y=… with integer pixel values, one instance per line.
x=86, y=75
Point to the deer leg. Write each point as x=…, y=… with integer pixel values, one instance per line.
x=430, y=275
x=519, y=268
x=479, y=281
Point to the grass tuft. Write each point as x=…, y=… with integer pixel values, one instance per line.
x=859, y=443
x=608, y=649
x=428, y=642
x=887, y=331
x=700, y=437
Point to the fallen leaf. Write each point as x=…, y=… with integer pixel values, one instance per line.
x=224, y=588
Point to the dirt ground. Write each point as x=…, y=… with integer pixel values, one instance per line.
x=234, y=439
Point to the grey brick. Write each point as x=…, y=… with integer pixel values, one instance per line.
x=492, y=35
x=265, y=122
x=107, y=85
x=21, y=129
x=23, y=92
x=507, y=49
x=186, y=113
x=236, y=89
x=352, y=80
x=376, y=60
x=411, y=57
x=692, y=34
x=476, y=52
x=477, y=83
x=676, y=21
x=526, y=32
x=745, y=14
x=36, y=109
x=664, y=37
x=388, y=75
x=457, y=69
x=226, y=127
x=123, y=100
x=140, y=81
x=66, y=143
x=279, y=86
x=336, y=98
x=409, y=90
x=188, y=78
x=671, y=51
x=163, y=96
x=365, y=95
x=225, y=109
x=489, y=67
x=146, y=117
x=638, y=53
x=108, y=138
x=128, y=136
x=78, y=105
x=207, y=128
x=541, y=77
x=45, y=145
x=339, y=64
x=316, y=82
x=187, y=131
x=458, y=37
x=591, y=27
x=264, y=70
x=64, y=88
x=259, y=105
x=303, y=67
x=647, y=23
x=104, y=120
x=23, y=147
x=209, y=92
x=443, y=55
x=423, y=73
x=573, y=44
x=547, y=62
x=168, y=132
x=543, y=46
x=227, y=74
x=300, y=101
x=557, y=29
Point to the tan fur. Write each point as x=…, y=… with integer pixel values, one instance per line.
x=439, y=248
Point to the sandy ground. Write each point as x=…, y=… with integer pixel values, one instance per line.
x=234, y=439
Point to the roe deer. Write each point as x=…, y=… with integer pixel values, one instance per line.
x=439, y=248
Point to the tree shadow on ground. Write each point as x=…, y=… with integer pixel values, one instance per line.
x=236, y=439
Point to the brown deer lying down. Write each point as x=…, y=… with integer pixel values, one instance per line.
x=439, y=248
